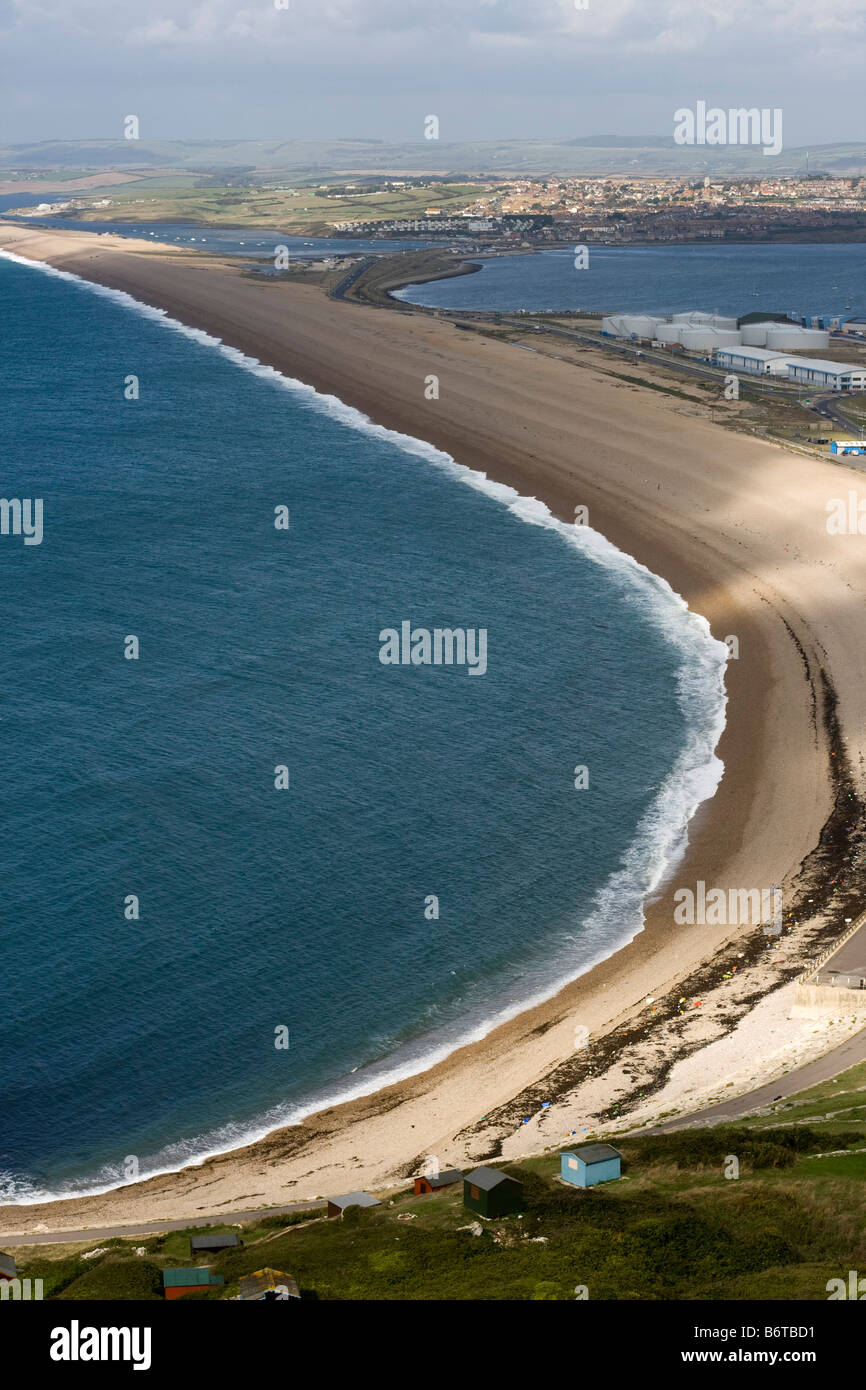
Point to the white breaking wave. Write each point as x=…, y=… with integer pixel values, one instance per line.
x=661, y=836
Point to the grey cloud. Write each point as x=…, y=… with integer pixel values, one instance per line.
x=496, y=68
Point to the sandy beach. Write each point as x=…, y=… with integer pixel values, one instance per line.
x=738, y=528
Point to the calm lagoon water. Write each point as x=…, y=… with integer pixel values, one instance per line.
x=797, y=279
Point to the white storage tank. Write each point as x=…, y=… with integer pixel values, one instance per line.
x=669, y=333
x=698, y=319
x=638, y=325
x=755, y=334
x=628, y=325
x=790, y=336
x=707, y=338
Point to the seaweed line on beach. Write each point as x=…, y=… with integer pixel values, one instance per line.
x=828, y=888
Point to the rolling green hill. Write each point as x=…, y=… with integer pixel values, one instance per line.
x=580, y=154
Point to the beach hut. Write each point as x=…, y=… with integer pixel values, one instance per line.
x=590, y=1164
x=338, y=1205
x=490, y=1193
x=177, y=1282
x=268, y=1285
x=224, y=1240
x=7, y=1266
x=447, y=1178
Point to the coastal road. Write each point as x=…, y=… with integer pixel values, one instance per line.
x=831, y=408
x=151, y=1228
x=846, y=1055
x=339, y=290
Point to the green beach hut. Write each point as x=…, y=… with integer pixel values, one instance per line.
x=490, y=1193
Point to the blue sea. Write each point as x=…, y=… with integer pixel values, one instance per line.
x=307, y=908
x=800, y=279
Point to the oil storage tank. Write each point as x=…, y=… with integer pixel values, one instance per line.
x=632, y=325
x=669, y=333
x=696, y=318
x=790, y=336
x=707, y=338
x=755, y=334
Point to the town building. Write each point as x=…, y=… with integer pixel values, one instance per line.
x=756, y=360
x=833, y=376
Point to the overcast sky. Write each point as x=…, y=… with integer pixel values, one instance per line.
x=490, y=69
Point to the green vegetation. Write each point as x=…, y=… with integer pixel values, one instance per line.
x=673, y=1228
x=293, y=209
x=140, y=1279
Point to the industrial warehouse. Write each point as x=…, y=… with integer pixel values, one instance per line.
x=758, y=344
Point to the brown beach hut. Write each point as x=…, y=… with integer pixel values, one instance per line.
x=447, y=1178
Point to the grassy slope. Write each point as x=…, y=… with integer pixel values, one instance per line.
x=299, y=210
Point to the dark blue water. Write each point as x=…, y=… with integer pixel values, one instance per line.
x=802, y=279
x=303, y=908
x=19, y=200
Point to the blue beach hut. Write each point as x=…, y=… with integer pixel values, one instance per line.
x=590, y=1164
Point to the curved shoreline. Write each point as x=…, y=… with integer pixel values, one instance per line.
x=730, y=834
x=694, y=783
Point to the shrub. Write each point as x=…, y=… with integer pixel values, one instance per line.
x=123, y=1279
